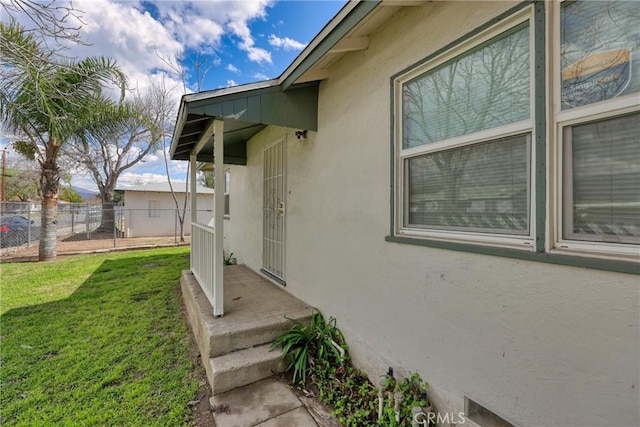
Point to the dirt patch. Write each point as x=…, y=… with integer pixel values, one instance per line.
x=81, y=243
x=200, y=407
x=308, y=396
x=94, y=235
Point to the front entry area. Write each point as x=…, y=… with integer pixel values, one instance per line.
x=274, y=208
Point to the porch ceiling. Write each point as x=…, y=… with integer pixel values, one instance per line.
x=245, y=110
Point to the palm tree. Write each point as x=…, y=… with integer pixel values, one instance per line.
x=46, y=101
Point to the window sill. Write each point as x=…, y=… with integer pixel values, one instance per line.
x=596, y=251
x=513, y=242
x=616, y=265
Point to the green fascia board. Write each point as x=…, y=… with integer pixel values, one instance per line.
x=360, y=11
x=295, y=108
x=540, y=126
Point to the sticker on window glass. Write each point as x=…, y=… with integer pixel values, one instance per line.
x=598, y=77
x=600, y=51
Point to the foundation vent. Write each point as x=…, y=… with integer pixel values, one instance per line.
x=482, y=416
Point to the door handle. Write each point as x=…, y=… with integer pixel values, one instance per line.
x=281, y=208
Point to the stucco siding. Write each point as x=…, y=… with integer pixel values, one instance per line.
x=539, y=344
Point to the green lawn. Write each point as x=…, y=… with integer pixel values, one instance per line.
x=96, y=340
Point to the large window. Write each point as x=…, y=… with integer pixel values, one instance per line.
x=486, y=154
x=599, y=127
x=464, y=141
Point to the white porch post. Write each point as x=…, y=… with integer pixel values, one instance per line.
x=218, y=256
x=194, y=199
x=193, y=188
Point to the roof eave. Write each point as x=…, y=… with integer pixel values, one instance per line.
x=346, y=19
x=203, y=103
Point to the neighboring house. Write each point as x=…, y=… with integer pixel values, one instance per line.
x=458, y=184
x=150, y=211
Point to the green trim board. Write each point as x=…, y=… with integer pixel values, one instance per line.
x=558, y=259
x=540, y=125
x=360, y=11
x=392, y=160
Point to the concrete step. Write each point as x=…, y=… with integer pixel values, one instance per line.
x=251, y=334
x=242, y=367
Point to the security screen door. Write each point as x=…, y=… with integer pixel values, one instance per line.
x=274, y=189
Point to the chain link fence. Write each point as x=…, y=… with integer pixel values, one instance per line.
x=86, y=226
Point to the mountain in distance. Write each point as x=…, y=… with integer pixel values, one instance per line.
x=84, y=193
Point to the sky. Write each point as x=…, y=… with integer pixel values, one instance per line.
x=239, y=41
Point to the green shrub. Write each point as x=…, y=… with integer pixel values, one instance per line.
x=317, y=355
x=229, y=260
x=304, y=345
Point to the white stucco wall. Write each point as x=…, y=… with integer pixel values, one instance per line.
x=539, y=344
x=140, y=224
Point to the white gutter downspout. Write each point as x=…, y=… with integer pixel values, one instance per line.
x=218, y=256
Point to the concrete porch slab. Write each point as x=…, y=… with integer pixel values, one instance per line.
x=251, y=300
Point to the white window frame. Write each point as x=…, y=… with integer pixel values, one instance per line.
x=524, y=127
x=227, y=190
x=559, y=120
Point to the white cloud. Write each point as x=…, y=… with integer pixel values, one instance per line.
x=258, y=55
x=260, y=76
x=146, y=43
x=232, y=68
x=213, y=19
x=247, y=43
x=128, y=179
x=152, y=169
x=285, y=43
x=232, y=82
x=151, y=38
x=133, y=37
